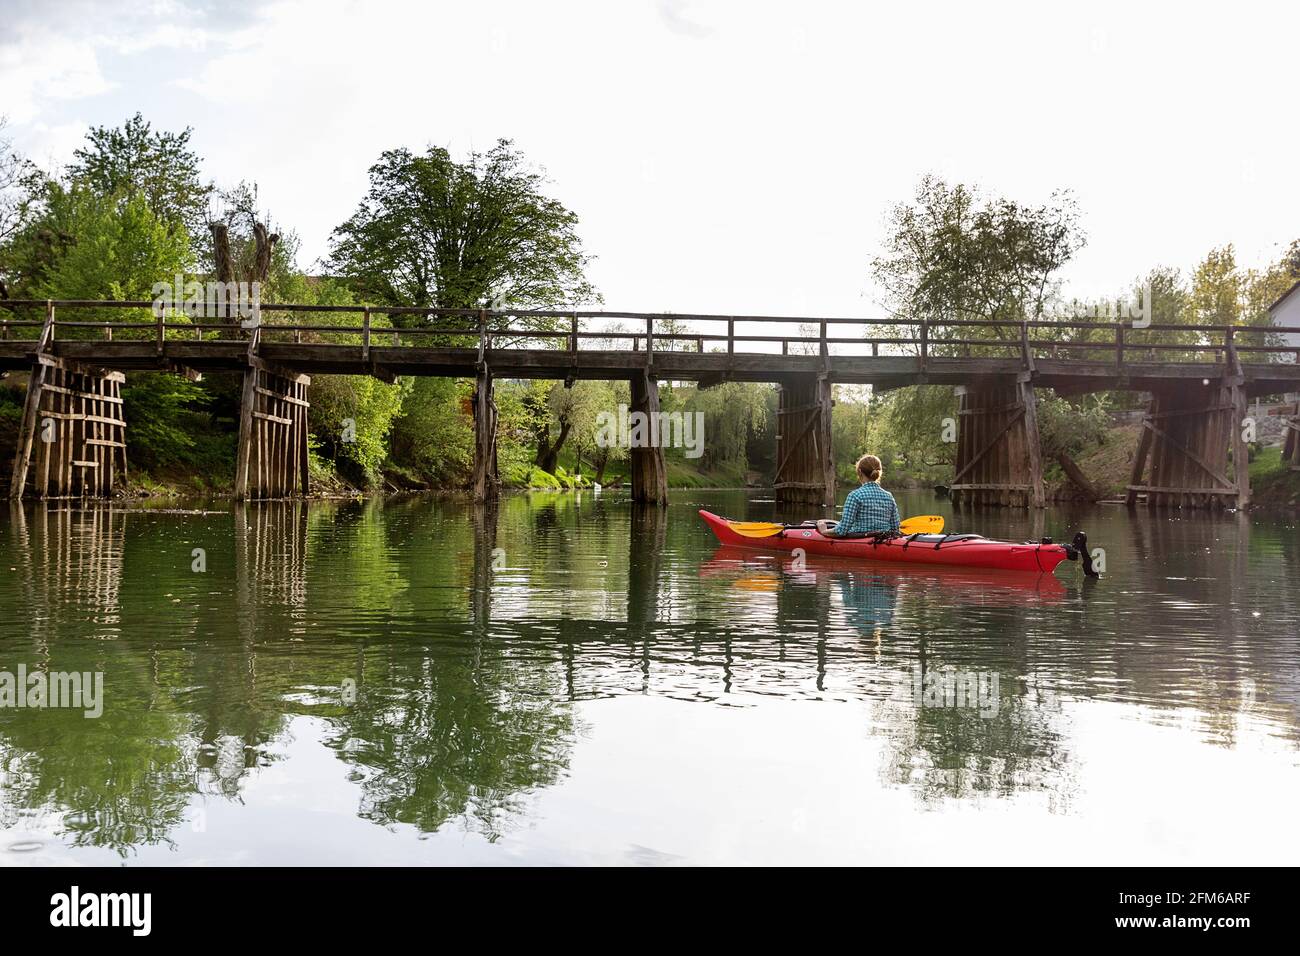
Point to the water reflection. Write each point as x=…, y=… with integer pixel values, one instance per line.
x=445, y=656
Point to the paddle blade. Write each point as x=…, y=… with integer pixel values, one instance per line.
x=755, y=529
x=923, y=524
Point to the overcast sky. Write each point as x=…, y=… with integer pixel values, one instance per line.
x=722, y=157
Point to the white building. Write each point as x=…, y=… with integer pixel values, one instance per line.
x=1286, y=311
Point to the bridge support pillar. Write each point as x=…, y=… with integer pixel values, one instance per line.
x=1186, y=438
x=1291, y=445
x=486, y=482
x=805, y=470
x=999, y=461
x=72, y=438
x=649, y=473
x=272, y=456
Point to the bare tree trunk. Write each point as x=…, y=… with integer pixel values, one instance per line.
x=221, y=252
x=1076, y=475
x=264, y=244
x=551, y=458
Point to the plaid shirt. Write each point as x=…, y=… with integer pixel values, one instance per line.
x=868, y=508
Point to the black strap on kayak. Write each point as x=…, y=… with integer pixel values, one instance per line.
x=941, y=540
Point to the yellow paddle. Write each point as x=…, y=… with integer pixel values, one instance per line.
x=920, y=524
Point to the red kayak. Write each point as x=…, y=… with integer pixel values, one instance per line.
x=963, y=550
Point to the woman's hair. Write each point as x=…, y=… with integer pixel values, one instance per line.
x=869, y=467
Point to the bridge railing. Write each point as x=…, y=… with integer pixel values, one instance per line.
x=1115, y=343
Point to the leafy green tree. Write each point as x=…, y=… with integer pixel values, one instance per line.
x=912, y=427
x=135, y=160
x=567, y=410
x=1072, y=425
x=952, y=254
x=109, y=247
x=434, y=434
x=601, y=397
x=351, y=416
x=1217, y=288
x=732, y=412
x=157, y=405
x=434, y=232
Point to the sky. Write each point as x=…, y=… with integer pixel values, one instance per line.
x=722, y=157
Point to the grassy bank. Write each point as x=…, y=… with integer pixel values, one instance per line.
x=1273, y=484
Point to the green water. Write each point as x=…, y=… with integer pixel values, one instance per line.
x=571, y=680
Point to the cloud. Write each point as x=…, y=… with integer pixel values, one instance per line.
x=674, y=14
x=55, y=50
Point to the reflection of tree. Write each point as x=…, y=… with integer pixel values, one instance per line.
x=956, y=752
x=121, y=779
x=436, y=738
x=459, y=724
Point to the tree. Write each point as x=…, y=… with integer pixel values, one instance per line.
x=108, y=247
x=244, y=249
x=732, y=412
x=1217, y=288
x=161, y=167
x=13, y=168
x=351, y=416
x=433, y=232
x=951, y=254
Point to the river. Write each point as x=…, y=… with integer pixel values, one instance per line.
x=567, y=679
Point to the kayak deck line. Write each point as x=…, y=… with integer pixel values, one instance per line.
x=959, y=550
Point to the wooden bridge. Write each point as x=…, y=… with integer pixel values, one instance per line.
x=73, y=436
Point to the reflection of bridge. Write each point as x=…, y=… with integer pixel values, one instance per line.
x=1200, y=378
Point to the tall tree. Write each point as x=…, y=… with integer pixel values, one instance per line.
x=434, y=232
x=133, y=159
x=1218, y=287
x=952, y=254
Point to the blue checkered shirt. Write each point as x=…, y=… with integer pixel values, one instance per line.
x=868, y=508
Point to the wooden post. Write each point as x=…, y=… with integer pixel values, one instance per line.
x=731, y=336
x=805, y=470
x=365, y=334
x=486, y=481
x=27, y=429
x=1187, y=445
x=247, y=430
x=998, y=455
x=304, y=450
x=822, y=446
x=1240, y=449
x=1037, y=495
x=649, y=473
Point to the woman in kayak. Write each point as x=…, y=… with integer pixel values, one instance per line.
x=867, y=509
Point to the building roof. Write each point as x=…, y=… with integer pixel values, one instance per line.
x=1285, y=295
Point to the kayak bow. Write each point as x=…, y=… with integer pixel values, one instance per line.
x=962, y=550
